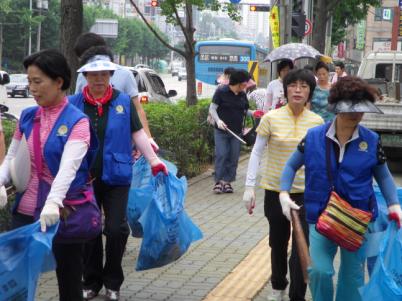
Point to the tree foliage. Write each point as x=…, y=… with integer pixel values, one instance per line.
x=170, y=9
x=349, y=13
x=343, y=12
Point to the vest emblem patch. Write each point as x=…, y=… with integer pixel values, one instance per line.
x=62, y=130
x=119, y=109
x=363, y=146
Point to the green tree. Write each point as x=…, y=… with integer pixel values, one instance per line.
x=170, y=9
x=343, y=13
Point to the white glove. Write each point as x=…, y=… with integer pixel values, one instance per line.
x=49, y=216
x=249, y=199
x=221, y=125
x=155, y=146
x=287, y=204
x=395, y=213
x=3, y=197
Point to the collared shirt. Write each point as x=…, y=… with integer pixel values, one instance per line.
x=284, y=131
x=331, y=134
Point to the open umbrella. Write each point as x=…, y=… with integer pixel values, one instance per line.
x=292, y=51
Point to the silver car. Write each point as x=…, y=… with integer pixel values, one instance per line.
x=151, y=87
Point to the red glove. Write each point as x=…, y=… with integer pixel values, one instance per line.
x=258, y=113
x=159, y=167
x=395, y=214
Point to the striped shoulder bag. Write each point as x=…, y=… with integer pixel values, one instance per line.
x=339, y=221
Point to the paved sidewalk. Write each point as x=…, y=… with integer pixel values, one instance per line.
x=229, y=235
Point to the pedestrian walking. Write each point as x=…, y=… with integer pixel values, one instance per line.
x=280, y=131
x=275, y=94
x=319, y=102
x=339, y=72
x=341, y=156
x=116, y=123
x=122, y=79
x=58, y=135
x=228, y=109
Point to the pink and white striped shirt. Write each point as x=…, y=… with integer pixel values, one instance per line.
x=48, y=117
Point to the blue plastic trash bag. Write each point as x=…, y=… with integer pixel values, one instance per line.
x=140, y=194
x=386, y=281
x=168, y=231
x=24, y=253
x=377, y=229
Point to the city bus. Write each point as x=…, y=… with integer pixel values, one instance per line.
x=212, y=57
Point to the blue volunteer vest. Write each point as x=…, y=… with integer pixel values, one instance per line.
x=58, y=136
x=117, y=161
x=352, y=178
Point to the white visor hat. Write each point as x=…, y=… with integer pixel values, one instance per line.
x=99, y=65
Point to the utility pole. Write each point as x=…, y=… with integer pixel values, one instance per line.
x=30, y=29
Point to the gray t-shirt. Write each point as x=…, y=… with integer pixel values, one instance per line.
x=122, y=80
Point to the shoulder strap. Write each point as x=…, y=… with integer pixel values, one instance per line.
x=36, y=143
x=328, y=161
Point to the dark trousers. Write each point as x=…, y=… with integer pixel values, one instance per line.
x=113, y=200
x=68, y=260
x=279, y=234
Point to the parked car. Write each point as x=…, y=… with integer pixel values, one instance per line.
x=141, y=66
x=182, y=74
x=151, y=87
x=18, y=85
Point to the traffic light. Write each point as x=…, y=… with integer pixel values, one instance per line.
x=259, y=7
x=298, y=24
x=154, y=3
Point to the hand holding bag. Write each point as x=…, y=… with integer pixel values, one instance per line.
x=249, y=134
x=340, y=222
x=80, y=218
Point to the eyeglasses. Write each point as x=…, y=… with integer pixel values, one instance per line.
x=301, y=86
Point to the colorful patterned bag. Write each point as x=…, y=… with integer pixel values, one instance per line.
x=340, y=222
x=343, y=224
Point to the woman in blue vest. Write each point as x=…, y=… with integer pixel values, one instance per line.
x=356, y=157
x=60, y=148
x=117, y=125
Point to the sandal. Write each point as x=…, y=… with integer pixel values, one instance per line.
x=227, y=188
x=218, y=188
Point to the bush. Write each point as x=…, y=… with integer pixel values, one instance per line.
x=5, y=216
x=183, y=134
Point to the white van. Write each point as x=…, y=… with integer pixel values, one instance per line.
x=382, y=64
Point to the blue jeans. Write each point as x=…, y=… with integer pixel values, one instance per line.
x=351, y=270
x=227, y=152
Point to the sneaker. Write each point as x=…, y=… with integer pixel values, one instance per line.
x=112, y=295
x=277, y=295
x=89, y=294
x=218, y=188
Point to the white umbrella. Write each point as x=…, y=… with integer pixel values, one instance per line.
x=293, y=51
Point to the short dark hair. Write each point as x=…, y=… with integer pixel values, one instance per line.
x=51, y=62
x=229, y=70
x=351, y=88
x=87, y=40
x=283, y=64
x=239, y=76
x=302, y=75
x=96, y=50
x=340, y=65
x=321, y=65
